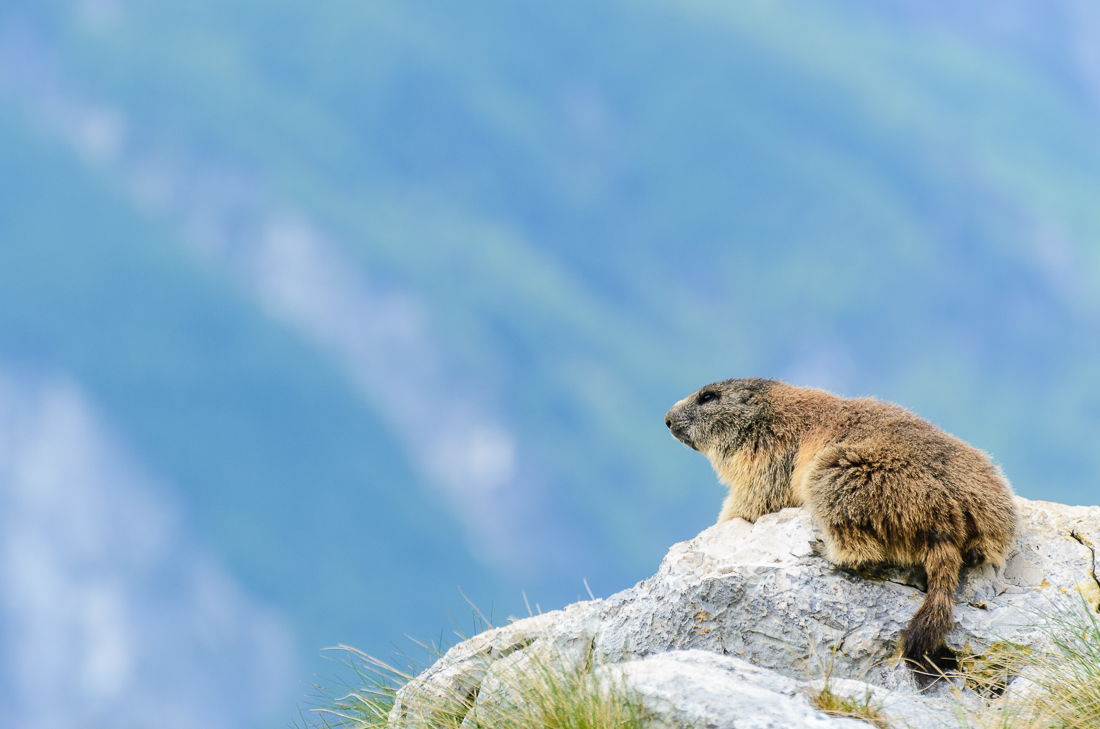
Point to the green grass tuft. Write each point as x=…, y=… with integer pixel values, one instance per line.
x=1068, y=676
x=1065, y=678
x=544, y=692
x=865, y=709
x=819, y=671
x=364, y=703
x=547, y=690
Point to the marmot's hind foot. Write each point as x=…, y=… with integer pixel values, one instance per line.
x=876, y=572
x=974, y=557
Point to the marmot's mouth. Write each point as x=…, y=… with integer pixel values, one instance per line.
x=682, y=437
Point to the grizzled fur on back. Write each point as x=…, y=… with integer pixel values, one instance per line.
x=884, y=485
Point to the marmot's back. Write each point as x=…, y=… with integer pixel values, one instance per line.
x=873, y=455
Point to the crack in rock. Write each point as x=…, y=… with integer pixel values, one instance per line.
x=1085, y=543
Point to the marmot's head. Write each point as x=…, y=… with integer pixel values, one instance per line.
x=714, y=420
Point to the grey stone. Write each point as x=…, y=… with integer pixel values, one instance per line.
x=761, y=593
x=695, y=688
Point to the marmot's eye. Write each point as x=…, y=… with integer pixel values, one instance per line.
x=705, y=397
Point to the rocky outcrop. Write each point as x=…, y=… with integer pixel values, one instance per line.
x=694, y=688
x=750, y=614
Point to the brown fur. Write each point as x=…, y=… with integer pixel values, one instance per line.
x=884, y=485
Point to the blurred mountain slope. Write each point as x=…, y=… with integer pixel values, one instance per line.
x=599, y=207
x=872, y=178
x=278, y=460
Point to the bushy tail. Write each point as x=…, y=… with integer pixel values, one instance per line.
x=924, y=635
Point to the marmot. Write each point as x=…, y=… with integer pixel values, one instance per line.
x=884, y=485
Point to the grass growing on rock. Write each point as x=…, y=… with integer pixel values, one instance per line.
x=852, y=707
x=363, y=704
x=547, y=691
x=1056, y=688
x=1067, y=676
x=825, y=699
x=552, y=692
x=1053, y=687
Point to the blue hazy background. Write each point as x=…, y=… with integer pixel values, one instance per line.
x=313, y=314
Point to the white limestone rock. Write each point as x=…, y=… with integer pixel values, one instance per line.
x=695, y=688
x=761, y=592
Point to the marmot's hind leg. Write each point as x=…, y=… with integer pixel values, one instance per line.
x=851, y=546
x=974, y=557
x=981, y=546
x=981, y=549
x=841, y=498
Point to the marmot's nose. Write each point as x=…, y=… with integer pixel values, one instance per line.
x=668, y=422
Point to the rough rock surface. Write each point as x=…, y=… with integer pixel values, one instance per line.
x=695, y=688
x=761, y=593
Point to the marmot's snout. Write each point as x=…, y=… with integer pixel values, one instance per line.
x=677, y=424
